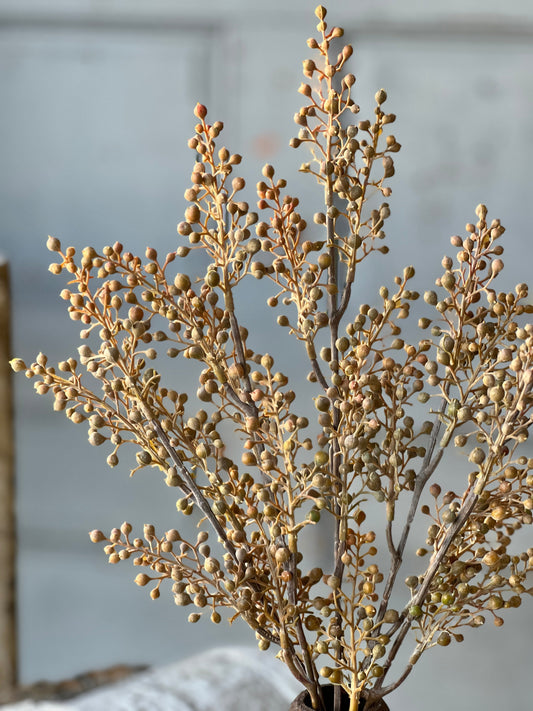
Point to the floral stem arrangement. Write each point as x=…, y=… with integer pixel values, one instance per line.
x=259, y=465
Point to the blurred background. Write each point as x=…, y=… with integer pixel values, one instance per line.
x=97, y=100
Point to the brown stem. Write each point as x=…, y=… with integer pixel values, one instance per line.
x=203, y=505
x=239, y=348
x=248, y=408
x=334, y=318
x=454, y=528
x=346, y=295
x=319, y=374
x=429, y=465
x=391, y=687
x=309, y=678
x=199, y=498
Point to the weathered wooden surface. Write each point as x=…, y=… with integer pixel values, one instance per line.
x=8, y=646
x=66, y=689
x=226, y=679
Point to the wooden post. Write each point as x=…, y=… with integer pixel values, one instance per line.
x=8, y=637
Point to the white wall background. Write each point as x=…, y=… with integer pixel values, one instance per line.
x=97, y=101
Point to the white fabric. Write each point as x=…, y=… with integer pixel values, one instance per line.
x=226, y=679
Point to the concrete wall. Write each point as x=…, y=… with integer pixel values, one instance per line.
x=97, y=101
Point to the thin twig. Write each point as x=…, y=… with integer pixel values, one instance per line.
x=429, y=465
x=199, y=498
x=406, y=621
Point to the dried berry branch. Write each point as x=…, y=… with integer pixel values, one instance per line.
x=471, y=371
